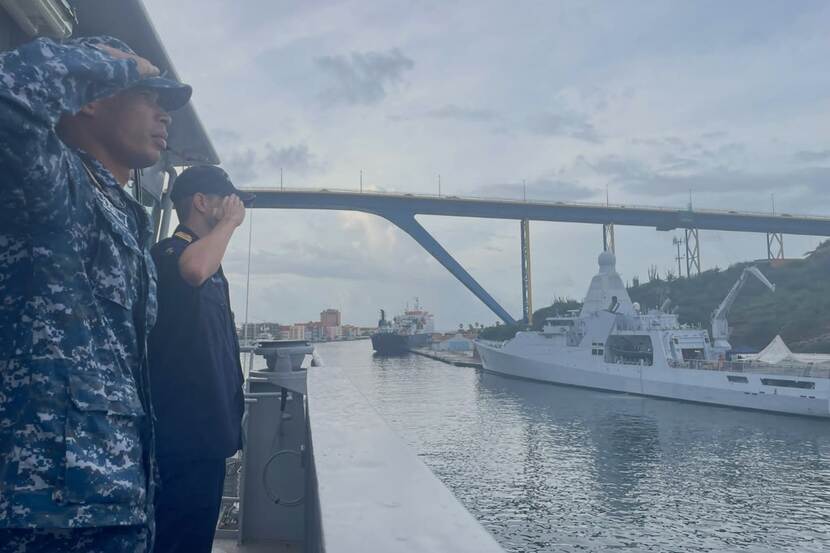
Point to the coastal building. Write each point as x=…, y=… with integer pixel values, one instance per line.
x=297, y=332
x=259, y=331
x=330, y=317
x=333, y=332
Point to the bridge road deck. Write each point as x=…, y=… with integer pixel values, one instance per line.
x=660, y=218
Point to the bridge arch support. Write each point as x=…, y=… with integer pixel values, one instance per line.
x=407, y=223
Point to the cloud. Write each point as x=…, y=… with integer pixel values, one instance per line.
x=357, y=247
x=672, y=162
x=295, y=158
x=639, y=178
x=564, y=124
x=451, y=111
x=713, y=135
x=813, y=156
x=724, y=151
x=305, y=259
x=246, y=165
x=362, y=78
x=241, y=166
x=221, y=136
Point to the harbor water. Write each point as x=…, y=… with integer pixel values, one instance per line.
x=549, y=468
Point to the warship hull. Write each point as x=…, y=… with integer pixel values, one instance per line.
x=774, y=392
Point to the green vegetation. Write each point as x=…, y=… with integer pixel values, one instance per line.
x=799, y=310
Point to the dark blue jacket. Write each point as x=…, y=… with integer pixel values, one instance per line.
x=195, y=370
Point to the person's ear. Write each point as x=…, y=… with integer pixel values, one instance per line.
x=201, y=202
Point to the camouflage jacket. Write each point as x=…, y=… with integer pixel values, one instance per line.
x=77, y=300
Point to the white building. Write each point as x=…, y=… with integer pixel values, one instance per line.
x=297, y=332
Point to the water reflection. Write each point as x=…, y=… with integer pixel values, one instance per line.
x=553, y=468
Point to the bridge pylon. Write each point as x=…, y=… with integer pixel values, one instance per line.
x=692, y=252
x=608, y=238
x=527, y=289
x=775, y=246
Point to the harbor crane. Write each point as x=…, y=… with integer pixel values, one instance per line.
x=720, y=326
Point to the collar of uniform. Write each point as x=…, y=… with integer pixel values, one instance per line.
x=103, y=174
x=185, y=234
x=110, y=187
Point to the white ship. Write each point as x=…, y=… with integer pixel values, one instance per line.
x=611, y=345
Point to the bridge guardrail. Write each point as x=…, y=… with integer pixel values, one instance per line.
x=662, y=209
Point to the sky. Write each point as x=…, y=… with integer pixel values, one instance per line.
x=726, y=104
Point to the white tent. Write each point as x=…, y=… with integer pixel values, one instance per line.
x=778, y=352
x=775, y=352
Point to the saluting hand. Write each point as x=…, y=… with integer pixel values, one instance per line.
x=145, y=68
x=233, y=210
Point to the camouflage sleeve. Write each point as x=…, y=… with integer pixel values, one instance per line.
x=39, y=82
x=44, y=79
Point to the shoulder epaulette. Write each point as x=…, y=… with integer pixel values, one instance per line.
x=183, y=235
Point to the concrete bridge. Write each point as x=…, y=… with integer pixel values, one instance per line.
x=401, y=209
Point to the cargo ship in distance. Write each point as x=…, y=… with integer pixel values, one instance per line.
x=412, y=329
x=612, y=345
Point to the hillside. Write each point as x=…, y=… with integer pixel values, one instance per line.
x=799, y=309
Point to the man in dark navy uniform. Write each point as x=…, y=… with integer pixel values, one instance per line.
x=195, y=370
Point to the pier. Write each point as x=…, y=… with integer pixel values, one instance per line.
x=448, y=357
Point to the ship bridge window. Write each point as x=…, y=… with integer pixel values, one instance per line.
x=634, y=349
x=733, y=378
x=693, y=353
x=560, y=322
x=597, y=348
x=784, y=383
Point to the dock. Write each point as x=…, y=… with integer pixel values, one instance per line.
x=449, y=357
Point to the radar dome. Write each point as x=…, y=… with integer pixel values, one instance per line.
x=606, y=260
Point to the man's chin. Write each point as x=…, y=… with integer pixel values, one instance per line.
x=148, y=159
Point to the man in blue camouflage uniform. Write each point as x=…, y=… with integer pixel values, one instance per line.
x=77, y=294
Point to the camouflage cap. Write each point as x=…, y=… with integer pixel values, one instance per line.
x=172, y=94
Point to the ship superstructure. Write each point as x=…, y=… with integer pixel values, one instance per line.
x=612, y=345
x=412, y=329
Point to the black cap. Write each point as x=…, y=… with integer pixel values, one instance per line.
x=207, y=179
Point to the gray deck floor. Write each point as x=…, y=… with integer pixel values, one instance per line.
x=230, y=546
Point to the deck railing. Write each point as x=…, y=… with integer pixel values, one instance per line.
x=754, y=367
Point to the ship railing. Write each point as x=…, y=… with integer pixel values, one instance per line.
x=491, y=343
x=642, y=362
x=322, y=472
x=755, y=367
